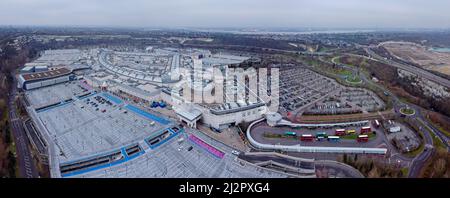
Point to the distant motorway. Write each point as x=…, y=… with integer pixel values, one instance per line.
x=418, y=116
x=419, y=161
x=399, y=104
x=260, y=48
x=413, y=69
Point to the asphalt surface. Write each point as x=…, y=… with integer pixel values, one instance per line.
x=256, y=159
x=347, y=170
x=415, y=164
x=415, y=70
x=344, y=169
x=27, y=169
x=419, y=161
x=259, y=129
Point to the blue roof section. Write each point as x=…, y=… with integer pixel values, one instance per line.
x=87, y=95
x=125, y=158
x=172, y=135
x=53, y=106
x=147, y=115
x=112, y=98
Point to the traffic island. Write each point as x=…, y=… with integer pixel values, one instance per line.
x=407, y=111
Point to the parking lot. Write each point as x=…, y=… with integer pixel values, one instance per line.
x=300, y=87
x=271, y=135
x=53, y=94
x=95, y=124
x=347, y=101
x=405, y=140
x=180, y=157
x=101, y=125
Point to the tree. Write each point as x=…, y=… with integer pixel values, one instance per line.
x=11, y=164
x=7, y=133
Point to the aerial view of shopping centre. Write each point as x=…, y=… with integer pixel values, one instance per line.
x=224, y=103
x=189, y=112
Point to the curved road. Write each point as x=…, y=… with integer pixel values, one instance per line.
x=419, y=160
x=348, y=170
x=399, y=104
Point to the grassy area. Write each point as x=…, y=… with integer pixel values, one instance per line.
x=273, y=135
x=336, y=74
x=353, y=79
x=346, y=137
x=416, y=152
x=437, y=143
x=354, y=136
x=344, y=72
x=350, y=137
x=439, y=127
x=405, y=171
x=327, y=72
x=445, y=132
x=407, y=111
x=348, y=75
x=12, y=148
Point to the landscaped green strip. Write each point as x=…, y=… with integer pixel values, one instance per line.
x=445, y=132
x=437, y=143
x=405, y=171
x=407, y=111
x=416, y=152
x=354, y=136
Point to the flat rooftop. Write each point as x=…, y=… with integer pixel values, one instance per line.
x=174, y=159
x=59, y=57
x=87, y=126
x=46, y=75
x=56, y=93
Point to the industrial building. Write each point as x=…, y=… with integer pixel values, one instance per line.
x=35, y=80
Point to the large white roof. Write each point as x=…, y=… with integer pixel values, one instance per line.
x=188, y=112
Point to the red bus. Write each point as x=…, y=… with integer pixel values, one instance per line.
x=307, y=137
x=339, y=132
x=365, y=130
x=363, y=138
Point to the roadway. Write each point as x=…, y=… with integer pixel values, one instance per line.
x=399, y=104
x=415, y=70
x=27, y=168
x=260, y=129
x=306, y=166
x=346, y=169
x=418, y=162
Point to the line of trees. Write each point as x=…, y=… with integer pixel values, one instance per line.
x=10, y=59
x=371, y=168
x=390, y=76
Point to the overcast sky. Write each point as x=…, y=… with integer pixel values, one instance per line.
x=229, y=13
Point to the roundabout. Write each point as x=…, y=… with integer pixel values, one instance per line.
x=353, y=80
x=407, y=111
